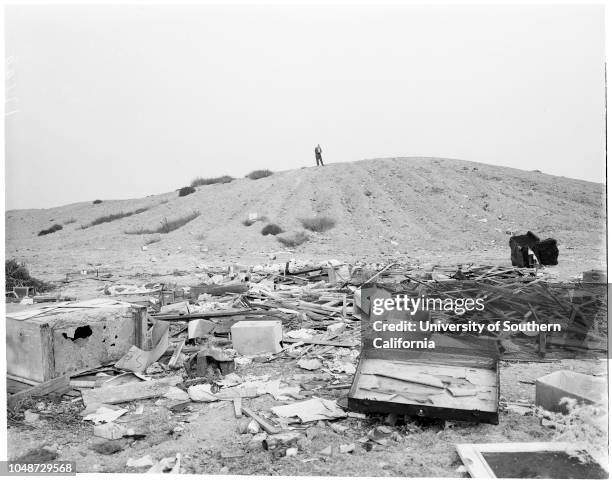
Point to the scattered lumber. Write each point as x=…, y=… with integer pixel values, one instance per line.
x=59, y=385
x=237, y=407
x=174, y=360
x=209, y=314
x=130, y=391
x=340, y=344
x=267, y=426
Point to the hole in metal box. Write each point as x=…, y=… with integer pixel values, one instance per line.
x=80, y=332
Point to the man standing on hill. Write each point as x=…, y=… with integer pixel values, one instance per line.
x=318, y=156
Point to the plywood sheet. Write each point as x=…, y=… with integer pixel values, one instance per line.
x=462, y=388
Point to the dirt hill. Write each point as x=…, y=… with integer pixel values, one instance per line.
x=426, y=209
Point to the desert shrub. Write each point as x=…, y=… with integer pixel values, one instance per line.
x=272, y=229
x=52, y=229
x=167, y=225
x=97, y=201
x=318, y=224
x=173, y=224
x=16, y=274
x=184, y=191
x=155, y=238
x=201, y=181
x=113, y=217
x=109, y=218
x=291, y=240
x=70, y=221
x=258, y=174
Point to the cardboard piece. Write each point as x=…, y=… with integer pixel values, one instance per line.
x=137, y=360
x=180, y=308
x=104, y=415
x=310, y=410
x=200, y=328
x=130, y=391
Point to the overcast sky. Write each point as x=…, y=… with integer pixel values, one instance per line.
x=125, y=101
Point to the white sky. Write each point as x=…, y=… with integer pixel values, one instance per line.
x=127, y=101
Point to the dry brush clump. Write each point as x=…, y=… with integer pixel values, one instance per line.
x=318, y=224
x=584, y=425
x=272, y=229
x=291, y=240
x=52, y=229
x=205, y=181
x=17, y=275
x=259, y=174
x=113, y=217
x=167, y=225
x=185, y=191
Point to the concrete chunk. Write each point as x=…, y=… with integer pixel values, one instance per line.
x=251, y=337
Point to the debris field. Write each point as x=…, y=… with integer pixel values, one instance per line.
x=262, y=370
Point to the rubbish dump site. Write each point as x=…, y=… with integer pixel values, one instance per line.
x=356, y=240
x=275, y=369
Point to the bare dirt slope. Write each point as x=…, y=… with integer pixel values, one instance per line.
x=430, y=209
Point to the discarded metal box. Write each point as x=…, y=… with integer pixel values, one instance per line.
x=252, y=337
x=456, y=380
x=46, y=343
x=585, y=389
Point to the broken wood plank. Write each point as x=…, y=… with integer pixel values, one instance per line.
x=209, y=314
x=218, y=290
x=342, y=344
x=238, y=407
x=60, y=384
x=173, y=363
x=14, y=386
x=419, y=379
x=130, y=391
x=267, y=426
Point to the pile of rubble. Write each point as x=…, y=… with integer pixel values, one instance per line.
x=216, y=341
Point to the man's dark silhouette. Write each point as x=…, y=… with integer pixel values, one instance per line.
x=318, y=156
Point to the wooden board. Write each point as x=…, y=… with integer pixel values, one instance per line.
x=345, y=344
x=215, y=314
x=129, y=391
x=460, y=392
x=61, y=384
x=14, y=386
